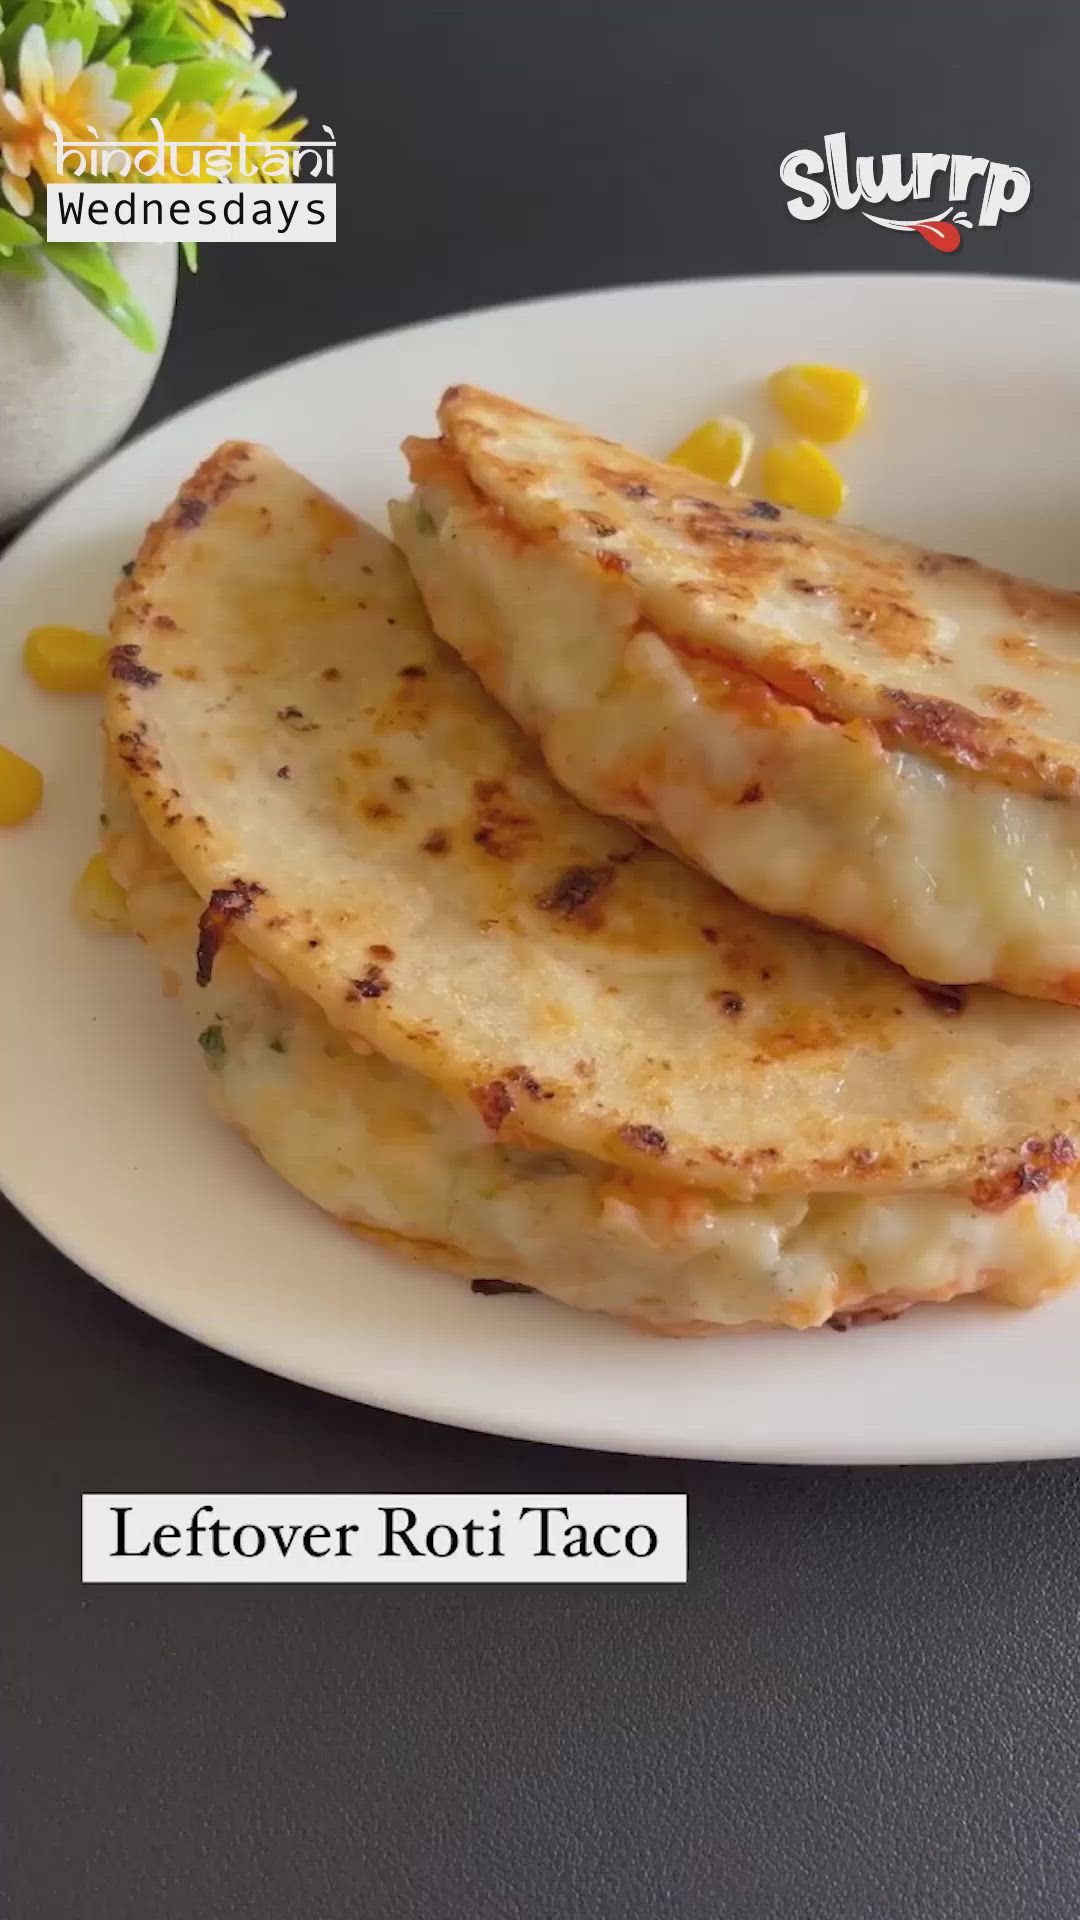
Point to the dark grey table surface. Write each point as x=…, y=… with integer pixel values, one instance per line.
x=865, y=1703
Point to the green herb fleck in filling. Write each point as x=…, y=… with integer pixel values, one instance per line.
x=212, y=1042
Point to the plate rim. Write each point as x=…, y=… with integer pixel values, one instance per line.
x=869, y=1451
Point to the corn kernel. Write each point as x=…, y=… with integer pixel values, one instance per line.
x=21, y=788
x=98, y=901
x=824, y=403
x=65, y=659
x=718, y=450
x=795, y=473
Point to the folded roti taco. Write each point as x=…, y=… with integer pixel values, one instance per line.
x=463, y=1014
x=840, y=727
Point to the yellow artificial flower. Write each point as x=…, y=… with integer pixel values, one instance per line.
x=56, y=94
x=187, y=127
x=219, y=28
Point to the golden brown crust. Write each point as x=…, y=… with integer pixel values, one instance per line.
x=945, y=657
x=723, y=1049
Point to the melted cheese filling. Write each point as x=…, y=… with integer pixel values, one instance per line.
x=954, y=877
x=379, y=1147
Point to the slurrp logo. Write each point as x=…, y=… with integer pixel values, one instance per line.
x=888, y=180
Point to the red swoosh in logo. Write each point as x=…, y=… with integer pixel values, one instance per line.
x=939, y=230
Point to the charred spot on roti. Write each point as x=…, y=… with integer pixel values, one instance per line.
x=712, y=935
x=573, y=896
x=284, y=773
x=898, y=629
x=708, y=520
x=1013, y=643
x=935, y=563
x=293, y=718
x=372, y=984
x=212, y=484
x=1042, y=1164
x=125, y=663
x=521, y=1077
x=485, y=1286
x=503, y=829
x=135, y=754
x=727, y=1001
x=331, y=673
x=401, y=783
x=225, y=905
x=412, y=673
x=930, y=722
x=1010, y=700
x=165, y=621
x=864, y=1316
x=751, y=795
x=762, y=510
x=436, y=842
x=493, y=1101
x=190, y=512
x=803, y=1030
x=645, y=1138
x=381, y=952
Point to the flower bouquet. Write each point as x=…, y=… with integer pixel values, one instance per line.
x=130, y=71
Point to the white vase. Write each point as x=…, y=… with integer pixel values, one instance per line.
x=70, y=384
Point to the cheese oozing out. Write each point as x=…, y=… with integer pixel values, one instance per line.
x=956, y=877
x=386, y=1151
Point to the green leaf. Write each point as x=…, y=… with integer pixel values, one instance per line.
x=31, y=14
x=88, y=260
x=89, y=268
x=190, y=251
x=130, y=81
x=116, y=53
x=85, y=31
x=16, y=232
x=157, y=18
x=204, y=80
x=21, y=264
x=159, y=28
x=159, y=49
x=72, y=20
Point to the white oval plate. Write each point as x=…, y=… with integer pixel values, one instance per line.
x=972, y=443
